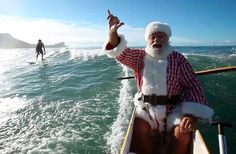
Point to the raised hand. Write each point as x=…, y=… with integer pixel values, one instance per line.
x=114, y=22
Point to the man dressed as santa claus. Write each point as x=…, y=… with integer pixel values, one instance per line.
x=170, y=99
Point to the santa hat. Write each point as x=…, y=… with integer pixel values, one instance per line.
x=157, y=27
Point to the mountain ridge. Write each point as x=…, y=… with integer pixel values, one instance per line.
x=8, y=41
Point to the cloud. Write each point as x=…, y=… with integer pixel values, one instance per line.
x=73, y=33
x=52, y=31
x=135, y=36
x=81, y=33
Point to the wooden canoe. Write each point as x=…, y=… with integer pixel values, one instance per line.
x=198, y=146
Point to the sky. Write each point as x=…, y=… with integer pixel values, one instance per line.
x=83, y=22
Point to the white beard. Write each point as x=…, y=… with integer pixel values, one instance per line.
x=158, y=53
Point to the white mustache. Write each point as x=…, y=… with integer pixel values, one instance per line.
x=153, y=51
x=157, y=52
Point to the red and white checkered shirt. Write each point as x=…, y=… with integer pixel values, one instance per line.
x=181, y=79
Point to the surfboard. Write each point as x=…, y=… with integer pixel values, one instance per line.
x=31, y=62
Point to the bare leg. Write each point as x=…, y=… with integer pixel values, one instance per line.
x=179, y=143
x=37, y=56
x=145, y=140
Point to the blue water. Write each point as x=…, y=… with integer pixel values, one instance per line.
x=72, y=103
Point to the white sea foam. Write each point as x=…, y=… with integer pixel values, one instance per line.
x=49, y=145
x=54, y=53
x=15, y=58
x=118, y=129
x=10, y=105
x=232, y=55
x=85, y=54
x=33, y=130
x=9, y=59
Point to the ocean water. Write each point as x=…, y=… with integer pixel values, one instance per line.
x=72, y=103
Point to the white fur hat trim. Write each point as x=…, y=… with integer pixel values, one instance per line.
x=157, y=27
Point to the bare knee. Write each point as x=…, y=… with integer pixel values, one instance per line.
x=179, y=143
x=142, y=126
x=142, y=141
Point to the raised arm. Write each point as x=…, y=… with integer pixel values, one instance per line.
x=114, y=25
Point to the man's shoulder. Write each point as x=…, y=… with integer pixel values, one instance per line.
x=176, y=53
x=177, y=56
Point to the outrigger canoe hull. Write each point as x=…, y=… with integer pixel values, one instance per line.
x=198, y=146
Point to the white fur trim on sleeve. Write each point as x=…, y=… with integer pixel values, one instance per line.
x=201, y=111
x=174, y=118
x=118, y=49
x=198, y=110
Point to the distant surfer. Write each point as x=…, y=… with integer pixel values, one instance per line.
x=40, y=49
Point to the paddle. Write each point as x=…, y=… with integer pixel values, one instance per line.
x=204, y=72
